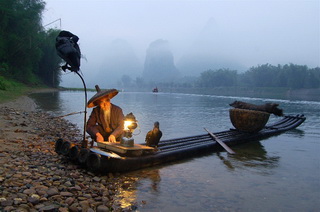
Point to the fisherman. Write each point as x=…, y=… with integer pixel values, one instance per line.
x=106, y=120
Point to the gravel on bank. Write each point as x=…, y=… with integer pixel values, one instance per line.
x=34, y=178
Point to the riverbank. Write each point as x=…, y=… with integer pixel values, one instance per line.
x=34, y=178
x=273, y=93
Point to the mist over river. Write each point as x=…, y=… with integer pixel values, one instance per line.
x=280, y=173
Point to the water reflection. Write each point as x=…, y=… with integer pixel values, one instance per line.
x=226, y=161
x=211, y=182
x=252, y=155
x=147, y=179
x=62, y=103
x=48, y=101
x=126, y=195
x=297, y=133
x=153, y=177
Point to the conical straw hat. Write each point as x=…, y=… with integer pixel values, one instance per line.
x=101, y=94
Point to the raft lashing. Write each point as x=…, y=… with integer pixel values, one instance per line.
x=101, y=160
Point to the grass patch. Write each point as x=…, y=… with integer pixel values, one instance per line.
x=11, y=89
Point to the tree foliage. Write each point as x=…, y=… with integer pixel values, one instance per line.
x=25, y=47
x=289, y=76
x=49, y=64
x=218, y=78
x=27, y=54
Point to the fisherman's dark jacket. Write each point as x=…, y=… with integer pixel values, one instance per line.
x=97, y=123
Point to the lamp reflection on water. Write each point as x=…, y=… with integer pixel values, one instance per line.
x=135, y=183
x=127, y=195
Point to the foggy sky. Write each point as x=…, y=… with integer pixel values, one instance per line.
x=250, y=32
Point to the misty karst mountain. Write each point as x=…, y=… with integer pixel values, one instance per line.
x=119, y=60
x=215, y=48
x=159, y=63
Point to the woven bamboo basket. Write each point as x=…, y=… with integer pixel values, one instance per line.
x=248, y=120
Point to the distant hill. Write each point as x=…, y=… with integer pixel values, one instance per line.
x=213, y=49
x=159, y=63
x=120, y=59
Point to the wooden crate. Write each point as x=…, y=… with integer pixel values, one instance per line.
x=136, y=150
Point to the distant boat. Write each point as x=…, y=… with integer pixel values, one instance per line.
x=155, y=90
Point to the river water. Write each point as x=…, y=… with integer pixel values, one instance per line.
x=280, y=173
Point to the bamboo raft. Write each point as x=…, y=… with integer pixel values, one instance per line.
x=107, y=158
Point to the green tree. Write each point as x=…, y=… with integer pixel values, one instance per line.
x=49, y=69
x=27, y=52
x=296, y=75
x=289, y=75
x=262, y=76
x=312, y=79
x=20, y=27
x=218, y=78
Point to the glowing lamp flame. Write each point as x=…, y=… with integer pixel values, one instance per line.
x=130, y=122
x=127, y=124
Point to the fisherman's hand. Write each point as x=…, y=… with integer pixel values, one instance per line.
x=99, y=137
x=112, y=139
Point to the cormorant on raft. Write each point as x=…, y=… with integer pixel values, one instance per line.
x=154, y=135
x=68, y=49
x=268, y=107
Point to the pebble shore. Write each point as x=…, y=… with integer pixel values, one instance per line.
x=35, y=178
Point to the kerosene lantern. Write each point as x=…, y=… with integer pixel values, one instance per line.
x=130, y=124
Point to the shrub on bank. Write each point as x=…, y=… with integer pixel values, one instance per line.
x=4, y=84
x=10, y=89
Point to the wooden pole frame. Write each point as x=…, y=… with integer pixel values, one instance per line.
x=230, y=151
x=84, y=141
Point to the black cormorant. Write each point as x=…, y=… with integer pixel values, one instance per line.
x=154, y=135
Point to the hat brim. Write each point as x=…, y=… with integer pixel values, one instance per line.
x=101, y=94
